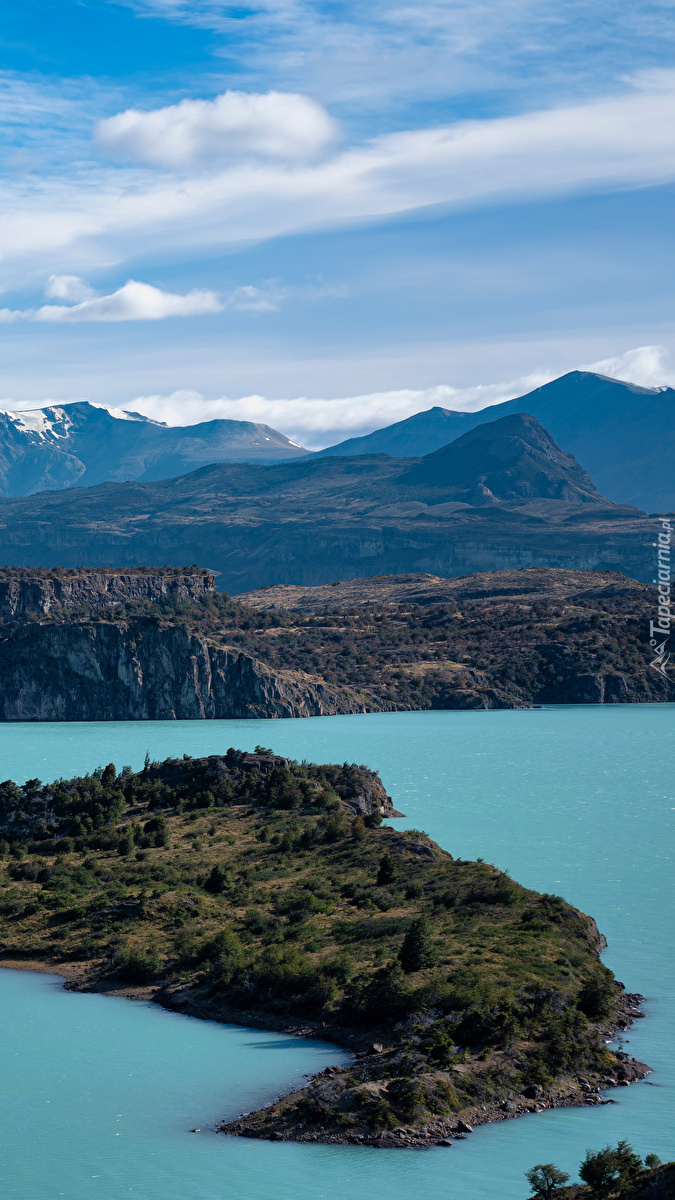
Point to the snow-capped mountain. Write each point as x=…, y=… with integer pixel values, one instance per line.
x=64, y=445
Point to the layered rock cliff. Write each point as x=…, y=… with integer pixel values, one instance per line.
x=26, y=591
x=117, y=671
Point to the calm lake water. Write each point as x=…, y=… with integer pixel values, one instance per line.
x=98, y=1094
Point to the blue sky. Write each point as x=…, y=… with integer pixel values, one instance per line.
x=327, y=216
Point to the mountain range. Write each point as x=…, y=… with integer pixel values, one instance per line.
x=82, y=444
x=502, y=496
x=623, y=434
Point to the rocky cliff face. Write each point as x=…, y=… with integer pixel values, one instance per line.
x=115, y=671
x=23, y=591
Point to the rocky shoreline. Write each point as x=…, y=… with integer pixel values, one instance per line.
x=280, y=1121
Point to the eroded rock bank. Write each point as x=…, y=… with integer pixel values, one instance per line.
x=135, y=671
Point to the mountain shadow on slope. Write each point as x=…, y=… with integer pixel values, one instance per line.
x=513, y=458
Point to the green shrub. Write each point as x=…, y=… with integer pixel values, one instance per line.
x=598, y=995
x=417, y=951
x=137, y=965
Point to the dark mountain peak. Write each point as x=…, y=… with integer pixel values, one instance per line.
x=412, y=436
x=513, y=458
x=591, y=382
x=623, y=433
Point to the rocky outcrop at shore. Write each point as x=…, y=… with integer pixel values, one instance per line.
x=304, y=1115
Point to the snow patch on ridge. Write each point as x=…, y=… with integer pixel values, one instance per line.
x=45, y=422
x=121, y=414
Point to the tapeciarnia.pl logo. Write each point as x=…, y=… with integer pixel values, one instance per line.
x=659, y=630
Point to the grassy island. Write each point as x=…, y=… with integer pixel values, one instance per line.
x=253, y=888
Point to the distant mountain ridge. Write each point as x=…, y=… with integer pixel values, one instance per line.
x=411, y=438
x=512, y=458
x=503, y=496
x=623, y=434
x=83, y=444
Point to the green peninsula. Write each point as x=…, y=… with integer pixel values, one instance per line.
x=252, y=888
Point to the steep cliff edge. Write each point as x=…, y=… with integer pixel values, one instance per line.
x=118, y=671
x=163, y=645
x=32, y=592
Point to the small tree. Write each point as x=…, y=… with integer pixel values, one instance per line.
x=385, y=874
x=598, y=1169
x=217, y=880
x=597, y=997
x=545, y=1178
x=417, y=951
x=619, y=1162
x=109, y=775
x=626, y=1161
x=652, y=1161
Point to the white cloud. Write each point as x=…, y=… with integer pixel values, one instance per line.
x=69, y=288
x=254, y=299
x=316, y=423
x=619, y=142
x=133, y=302
x=646, y=365
x=235, y=125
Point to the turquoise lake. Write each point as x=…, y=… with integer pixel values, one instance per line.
x=98, y=1095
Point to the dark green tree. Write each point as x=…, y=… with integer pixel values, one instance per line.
x=417, y=951
x=545, y=1179
x=385, y=874
x=626, y=1161
x=217, y=880
x=597, y=997
x=385, y=994
x=599, y=1169
x=109, y=775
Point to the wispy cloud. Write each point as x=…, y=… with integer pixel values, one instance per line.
x=133, y=302
x=386, y=55
x=618, y=142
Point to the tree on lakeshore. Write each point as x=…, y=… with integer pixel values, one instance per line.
x=601, y=1169
x=544, y=1179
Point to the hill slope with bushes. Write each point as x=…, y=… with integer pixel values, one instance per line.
x=253, y=888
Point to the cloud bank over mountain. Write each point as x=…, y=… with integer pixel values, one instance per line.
x=318, y=422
